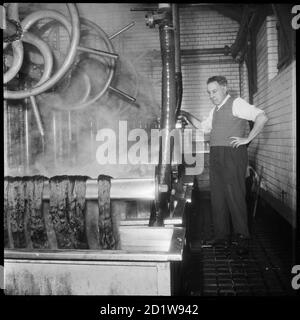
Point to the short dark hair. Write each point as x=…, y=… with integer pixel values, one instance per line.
x=220, y=79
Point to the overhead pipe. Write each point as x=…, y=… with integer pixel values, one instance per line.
x=17, y=46
x=206, y=51
x=74, y=32
x=18, y=55
x=12, y=14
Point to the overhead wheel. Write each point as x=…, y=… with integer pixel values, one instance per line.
x=102, y=56
x=49, y=80
x=46, y=81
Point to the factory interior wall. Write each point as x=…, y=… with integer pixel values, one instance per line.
x=201, y=27
x=275, y=148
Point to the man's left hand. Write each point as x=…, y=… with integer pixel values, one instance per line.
x=237, y=141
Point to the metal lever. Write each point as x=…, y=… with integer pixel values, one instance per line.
x=125, y=95
x=37, y=115
x=122, y=30
x=98, y=52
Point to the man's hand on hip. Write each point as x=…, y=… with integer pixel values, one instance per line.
x=237, y=141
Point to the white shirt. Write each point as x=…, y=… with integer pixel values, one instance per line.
x=240, y=108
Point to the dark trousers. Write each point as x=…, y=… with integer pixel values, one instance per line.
x=228, y=190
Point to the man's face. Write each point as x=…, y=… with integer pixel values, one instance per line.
x=216, y=92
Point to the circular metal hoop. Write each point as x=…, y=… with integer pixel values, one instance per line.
x=82, y=105
x=74, y=31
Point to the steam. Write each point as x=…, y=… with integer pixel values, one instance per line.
x=70, y=136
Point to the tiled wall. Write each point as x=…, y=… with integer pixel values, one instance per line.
x=275, y=147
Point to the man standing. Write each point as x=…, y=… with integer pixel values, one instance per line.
x=227, y=123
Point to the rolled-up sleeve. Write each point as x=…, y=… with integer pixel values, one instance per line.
x=242, y=109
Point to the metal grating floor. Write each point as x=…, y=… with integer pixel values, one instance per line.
x=265, y=271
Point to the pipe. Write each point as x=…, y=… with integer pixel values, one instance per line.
x=206, y=51
x=17, y=46
x=54, y=127
x=13, y=14
x=98, y=52
x=10, y=30
x=74, y=30
x=122, y=30
x=46, y=53
x=13, y=11
x=18, y=55
x=178, y=73
x=37, y=115
x=123, y=94
x=168, y=111
x=88, y=86
x=5, y=125
x=20, y=124
x=27, y=137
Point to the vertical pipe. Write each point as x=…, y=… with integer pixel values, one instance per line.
x=27, y=139
x=91, y=141
x=69, y=146
x=178, y=73
x=37, y=115
x=54, y=138
x=9, y=137
x=60, y=137
x=21, y=137
x=168, y=110
x=5, y=127
x=69, y=126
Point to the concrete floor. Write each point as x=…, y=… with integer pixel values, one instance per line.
x=265, y=271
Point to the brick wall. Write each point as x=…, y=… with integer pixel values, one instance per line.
x=204, y=28
x=275, y=147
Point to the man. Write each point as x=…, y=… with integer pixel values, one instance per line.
x=227, y=123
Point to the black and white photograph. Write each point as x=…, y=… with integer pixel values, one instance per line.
x=150, y=151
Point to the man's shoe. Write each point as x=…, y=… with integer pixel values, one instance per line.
x=218, y=243
x=242, y=245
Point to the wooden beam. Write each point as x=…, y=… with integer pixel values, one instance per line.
x=241, y=38
x=284, y=16
x=234, y=12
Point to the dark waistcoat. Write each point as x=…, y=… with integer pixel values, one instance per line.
x=225, y=125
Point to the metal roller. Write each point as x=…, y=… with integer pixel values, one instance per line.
x=126, y=189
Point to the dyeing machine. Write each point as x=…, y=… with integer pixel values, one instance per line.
x=149, y=210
